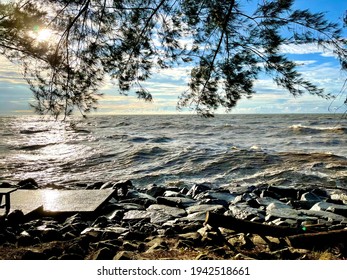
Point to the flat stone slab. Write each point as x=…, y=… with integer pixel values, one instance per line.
x=59, y=201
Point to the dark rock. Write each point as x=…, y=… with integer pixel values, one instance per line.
x=101, y=222
x=122, y=188
x=51, y=234
x=269, y=194
x=25, y=239
x=134, y=235
x=213, y=201
x=95, y=186
x=181, y=202
x=124, y=255
x=155, y=191
x=71, y=257
x=130, y=246
x=15, y=217
x=28, y=184
x=103, y=254
x=116, y=215
x=34, y=255
x=284, y=191
x=6, y=185
x=53, y=252
x=198, y=188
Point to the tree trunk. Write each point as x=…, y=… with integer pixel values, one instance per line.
x=216, y=220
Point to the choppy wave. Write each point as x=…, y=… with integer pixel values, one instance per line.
x=174, y=149
x=316, y=129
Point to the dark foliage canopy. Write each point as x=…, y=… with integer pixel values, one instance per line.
x=227, y=44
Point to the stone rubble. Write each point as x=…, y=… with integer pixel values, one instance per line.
x=140, y=223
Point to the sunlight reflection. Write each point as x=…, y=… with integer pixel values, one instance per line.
x=50, y=199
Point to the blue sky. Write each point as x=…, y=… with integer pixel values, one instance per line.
x=321, y=68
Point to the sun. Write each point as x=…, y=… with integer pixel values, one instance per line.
x=43, y=35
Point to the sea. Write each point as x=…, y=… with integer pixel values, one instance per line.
x=176, y=150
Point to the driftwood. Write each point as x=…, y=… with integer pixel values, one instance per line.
x=216, y=220
x=295, y=237
x=318, y=240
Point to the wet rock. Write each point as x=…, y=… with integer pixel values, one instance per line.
x=95, y=186
x=196, y=189
x=155, y=190
x=101, y=222
x=128, y=206
x=181, y=202
x=225, y=196
x=204, y=208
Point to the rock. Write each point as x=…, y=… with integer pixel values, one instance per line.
x=288, y=213
x=204, y=208
x=15, y=217
x=173, y=211
x=137, y=215
x=128, y=206
x=225, y=196
x=116, y=215
x=309, y=196
x=243, y=211
x=28, y=184
x=123, y=255
x=284, y=191
x=278, y=205
x=71, y=257
x=103, y=254
x=330, y=207
x=325, y=215
x=155, y=191
x=194, y=237
x=181, y=202
x=196, y=189
x=169, y=193
x=194, y=217
x=33, y=255
x=241, y=256
x=266, y=201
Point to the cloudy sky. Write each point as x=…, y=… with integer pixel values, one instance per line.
x=321, y=68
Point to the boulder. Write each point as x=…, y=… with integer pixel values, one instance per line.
x=196, y=189
x=203, y=208
x=181, y=202
x=243, y=211
x=330, y=207
x=28, y=184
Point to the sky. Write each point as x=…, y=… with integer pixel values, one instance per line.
x=320, y=68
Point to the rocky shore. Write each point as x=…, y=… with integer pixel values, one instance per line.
x=163, y=222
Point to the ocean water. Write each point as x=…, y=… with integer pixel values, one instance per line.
x=176, y=149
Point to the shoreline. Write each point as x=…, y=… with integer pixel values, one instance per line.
x=158, y=222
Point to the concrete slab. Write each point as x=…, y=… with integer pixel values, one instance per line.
x=59, y=201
